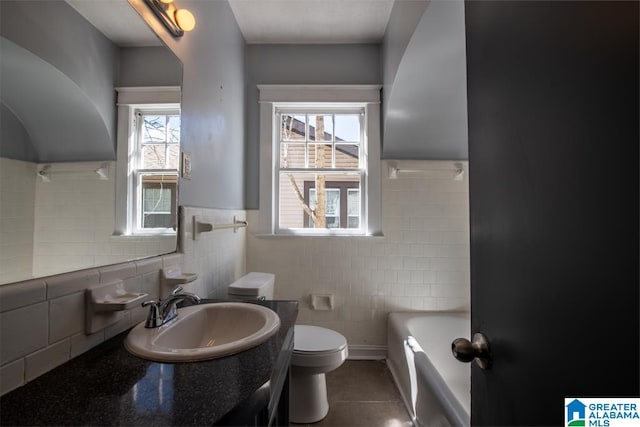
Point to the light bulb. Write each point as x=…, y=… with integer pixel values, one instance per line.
x=185, y=19
x=166, y=1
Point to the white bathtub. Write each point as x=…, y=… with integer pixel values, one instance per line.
x=435, y=387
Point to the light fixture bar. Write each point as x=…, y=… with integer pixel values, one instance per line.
x=166, y=13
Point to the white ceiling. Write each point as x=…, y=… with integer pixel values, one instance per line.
x=118, y=21
x=261, y=21
x=312, y=21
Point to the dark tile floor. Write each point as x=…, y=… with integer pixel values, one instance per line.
x=362, y=393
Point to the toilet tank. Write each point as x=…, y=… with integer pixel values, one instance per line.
x=253, y=286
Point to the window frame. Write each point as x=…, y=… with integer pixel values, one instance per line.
x=320, y=98
x=136, y=173
x=131, y=99
x=361, y=170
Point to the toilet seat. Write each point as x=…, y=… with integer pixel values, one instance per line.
x=316, y=347
x=317, y=340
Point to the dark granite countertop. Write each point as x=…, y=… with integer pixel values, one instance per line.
x=109, y=386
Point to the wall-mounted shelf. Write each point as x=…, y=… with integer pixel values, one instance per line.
x=174, y=276
x=106, y=302
x=125, y=301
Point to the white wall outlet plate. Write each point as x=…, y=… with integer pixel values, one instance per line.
x=186, y=165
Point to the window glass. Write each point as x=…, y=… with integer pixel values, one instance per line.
x=315, y=162
x=353, y=208
x=158, y=159
x=173, y=128
x=320, y=127
x=292, y=155
x=348, y=127
x=332, y=207
x=156, y=211
x=293, y=127
x=347, y=155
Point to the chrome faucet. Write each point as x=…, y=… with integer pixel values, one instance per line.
x=162, y=311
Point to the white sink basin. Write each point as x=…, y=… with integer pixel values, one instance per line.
x=205, y=331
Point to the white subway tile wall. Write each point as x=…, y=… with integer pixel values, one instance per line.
x=12, y=375
x=23, y=331
x=68, y=312
x=46, y=359
x=421, y=263
x=17, y=201
x=63, y=225
x=218, y=256
x=42, y=321
x=68, y=283
x=29, y=292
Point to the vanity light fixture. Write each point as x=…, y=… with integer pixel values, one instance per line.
x=176, y=20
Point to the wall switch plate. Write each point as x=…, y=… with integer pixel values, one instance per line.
x=186, y=165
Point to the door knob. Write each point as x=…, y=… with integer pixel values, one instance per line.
x=477, y=349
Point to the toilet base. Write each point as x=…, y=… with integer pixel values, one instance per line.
x=308, y=402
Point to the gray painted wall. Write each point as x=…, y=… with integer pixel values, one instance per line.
x=405, y=16
x=15, y=142
x=78, y=55
x=426, y=104
x=299, y=64
x=62, y=121
x=149, y=66
x=213, y=102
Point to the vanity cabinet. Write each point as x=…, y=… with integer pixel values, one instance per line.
x=109, y=386
x=269, y=405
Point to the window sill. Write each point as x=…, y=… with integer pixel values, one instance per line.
x=320, y=236
x=137, y=236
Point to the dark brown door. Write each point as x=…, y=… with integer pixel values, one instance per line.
x=553, y=153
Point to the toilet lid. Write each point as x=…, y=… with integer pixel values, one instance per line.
x=316, y=339
x=252, y=284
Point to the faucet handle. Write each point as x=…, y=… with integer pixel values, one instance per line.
x=177, y=290
x=149, y=302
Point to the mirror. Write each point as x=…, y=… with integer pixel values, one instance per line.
x=60, y=65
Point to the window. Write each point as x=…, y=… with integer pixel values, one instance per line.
x=318, y=150
x=322, y=174
x=155, y=170
x=148, y=159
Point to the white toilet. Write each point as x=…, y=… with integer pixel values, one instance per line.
x=316, y=351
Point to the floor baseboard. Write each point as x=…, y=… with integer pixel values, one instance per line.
x=367, y=352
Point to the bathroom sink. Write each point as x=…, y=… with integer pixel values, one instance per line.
x=204, y=331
